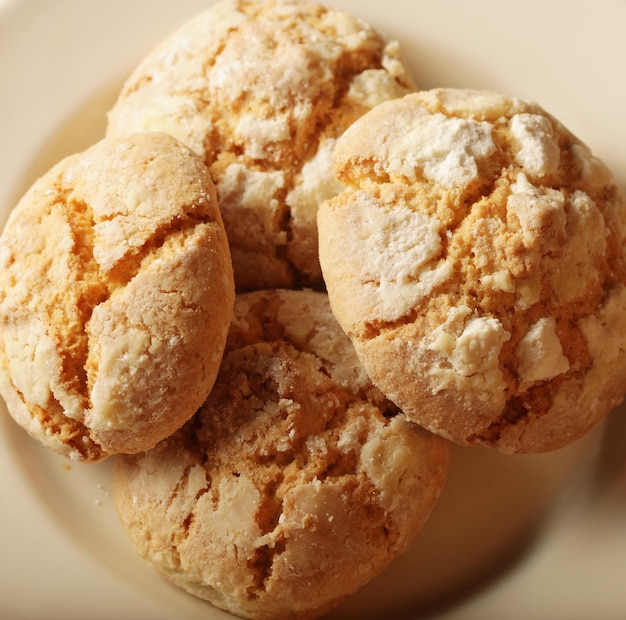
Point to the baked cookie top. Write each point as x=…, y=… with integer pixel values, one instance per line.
x=261, y=90
x=476, y=260
x=295, y=483
x=116, y=292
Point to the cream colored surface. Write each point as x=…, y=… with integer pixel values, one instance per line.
x=59, y=527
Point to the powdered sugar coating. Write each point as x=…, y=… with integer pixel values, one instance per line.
x=296, y=482
x=521, y=248
x=116, y=291
x=260, y=91
x=538, y=143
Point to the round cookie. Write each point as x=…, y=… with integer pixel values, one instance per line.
x=116, y=293
x=295, y=483
x=261, y=90
x=476, y=260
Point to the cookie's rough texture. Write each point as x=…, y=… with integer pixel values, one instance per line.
x=295, y=483
x=116, y=292
x=477, y=263
x=261, y=90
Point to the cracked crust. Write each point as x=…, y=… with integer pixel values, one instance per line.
x=476, y=260
x=261, y=90
x=296, y=482
x=116, y=293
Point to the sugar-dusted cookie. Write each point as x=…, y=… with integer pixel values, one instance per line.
x=476, y=260
x=116, y=293
x=261, y=90
x=295, y=483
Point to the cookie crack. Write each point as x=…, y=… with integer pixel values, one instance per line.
x=91, y=285
x=515, y=412
x=70, y=432
x=178, y=491
x=136, y=258
x=261, y=566
x=535, y=402
x=89, y=288
x=376, y=328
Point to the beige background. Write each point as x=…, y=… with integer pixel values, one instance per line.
x=514, y=537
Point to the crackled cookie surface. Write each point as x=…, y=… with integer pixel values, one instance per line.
x=116, y=292
x=295, y=483
x=476, y=260
x=261, y=90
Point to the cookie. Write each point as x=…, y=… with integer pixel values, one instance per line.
x=261, y=90
x=116, y=293
x=295, y=483
x=476, y=260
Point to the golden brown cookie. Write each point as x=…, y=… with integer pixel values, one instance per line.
x=116, y=292
x=295, y=483
x=261, y=90
x=476, y=260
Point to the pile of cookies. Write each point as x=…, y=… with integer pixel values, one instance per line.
x=286, y=279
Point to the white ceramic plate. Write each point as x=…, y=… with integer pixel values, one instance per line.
x=513, y=537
